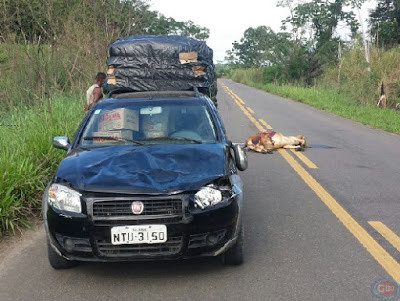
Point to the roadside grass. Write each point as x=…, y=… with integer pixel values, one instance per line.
x=352, y=80
x=351, y=92
x=361, y=85
x=27, y=158
x=338, y=103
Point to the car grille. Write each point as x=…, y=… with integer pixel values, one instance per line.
x=171, y=247
x=114, y=208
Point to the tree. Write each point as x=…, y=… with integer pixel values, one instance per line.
x=290, y=4
x=28, y=20
x=259, y=46
x=283, y=60
x=163, y=25
x=323, y=16
x=384, y=22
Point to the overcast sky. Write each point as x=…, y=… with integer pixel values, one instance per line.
x=227, y=20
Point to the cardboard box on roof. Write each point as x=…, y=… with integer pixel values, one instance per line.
x=188, y=57
x=121, y=134
x=119, y=119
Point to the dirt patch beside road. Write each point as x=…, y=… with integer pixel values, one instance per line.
x=10, y=241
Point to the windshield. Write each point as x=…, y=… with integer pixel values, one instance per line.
x=142, y=123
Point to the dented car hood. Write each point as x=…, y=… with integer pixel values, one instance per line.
x=143, y=169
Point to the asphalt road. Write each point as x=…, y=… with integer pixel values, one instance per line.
x=308, y=232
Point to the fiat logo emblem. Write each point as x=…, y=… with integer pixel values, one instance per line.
x=137, y=207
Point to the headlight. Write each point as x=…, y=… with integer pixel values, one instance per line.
x=210, y=196
x=64, y=198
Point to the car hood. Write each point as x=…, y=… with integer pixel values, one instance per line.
x=143, y=169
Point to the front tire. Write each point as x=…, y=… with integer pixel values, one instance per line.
x=56, y=261
x=234, y=256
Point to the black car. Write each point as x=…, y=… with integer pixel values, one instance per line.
x=148, y=176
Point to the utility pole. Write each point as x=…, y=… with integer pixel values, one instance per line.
x=365, y=42
x=340, y=63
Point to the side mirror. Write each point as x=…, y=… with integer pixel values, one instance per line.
x=240, y=156
x=61, y=142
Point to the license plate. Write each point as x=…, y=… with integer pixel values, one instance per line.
x=144, y=234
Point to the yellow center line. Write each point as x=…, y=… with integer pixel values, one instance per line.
x=252, y=119
x=231, y=93
x=391, y=266
x=305, y=160
x=237, y=98
x=388, y=234
x=240, y=100
x=265, y=124
x=250, y=110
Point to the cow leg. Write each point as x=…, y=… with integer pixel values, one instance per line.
x=267, y=151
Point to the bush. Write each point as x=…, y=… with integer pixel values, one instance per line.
x=272, y=74
x=250, y=74
x=27, y=158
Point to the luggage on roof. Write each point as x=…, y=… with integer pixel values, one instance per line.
x=162, y=62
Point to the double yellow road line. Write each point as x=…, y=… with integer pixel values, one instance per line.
x=391, y=266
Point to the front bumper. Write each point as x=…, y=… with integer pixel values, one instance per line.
x=191, y=232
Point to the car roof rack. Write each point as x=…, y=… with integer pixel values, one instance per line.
x=152, y=94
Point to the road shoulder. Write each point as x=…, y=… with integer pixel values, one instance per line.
x=13, y=243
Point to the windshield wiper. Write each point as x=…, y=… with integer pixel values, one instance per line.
x=175, y=138
x=112, y=138
x=84, y=147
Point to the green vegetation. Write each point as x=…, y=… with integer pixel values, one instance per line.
x=310, y=47
x=354, y=82
x=353, y=94
x=307, y=43
x=318, y=68
x=329, y=100
x=384, y=20
x=361, y=86
x=27, y=158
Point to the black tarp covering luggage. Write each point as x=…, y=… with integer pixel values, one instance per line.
x=162, y=62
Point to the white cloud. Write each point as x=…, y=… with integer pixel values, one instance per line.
x=227, y=20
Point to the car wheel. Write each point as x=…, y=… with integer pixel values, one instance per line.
x=234, y=256
x=58, y=262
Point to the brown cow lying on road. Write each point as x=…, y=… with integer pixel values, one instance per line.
x=266, y=141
